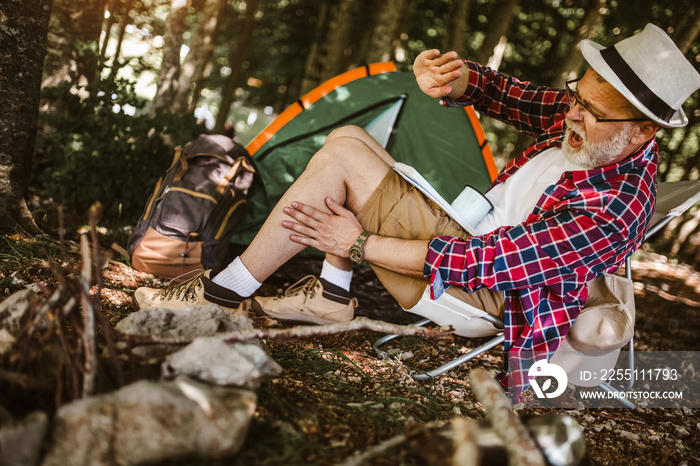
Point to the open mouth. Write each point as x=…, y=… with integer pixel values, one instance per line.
x=575, y=139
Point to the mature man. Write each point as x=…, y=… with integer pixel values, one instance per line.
x=570, y=208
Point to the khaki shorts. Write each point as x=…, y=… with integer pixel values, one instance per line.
x=399, y=210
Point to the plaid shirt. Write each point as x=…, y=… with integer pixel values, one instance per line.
x=584, y=225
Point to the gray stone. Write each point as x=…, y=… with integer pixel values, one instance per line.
x=191, y=322
x=627, y=434
x=681, y=432
x=188, y=323
x=212, y=360
x=152, y=421
x=20, y=441
x=15, y=313
x=7, y=340
x=14, y=310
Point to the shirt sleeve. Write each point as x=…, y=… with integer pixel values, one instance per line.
x=529, y=108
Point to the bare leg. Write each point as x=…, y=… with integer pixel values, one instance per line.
x=358, y=133
x=348, y=169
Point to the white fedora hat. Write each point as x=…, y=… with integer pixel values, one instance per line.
x=650, y=71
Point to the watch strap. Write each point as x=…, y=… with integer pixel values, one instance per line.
x=360, y=241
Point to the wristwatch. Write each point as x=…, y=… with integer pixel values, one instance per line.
x=357, y=250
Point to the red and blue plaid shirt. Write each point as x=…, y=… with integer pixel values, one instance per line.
x=584, y=225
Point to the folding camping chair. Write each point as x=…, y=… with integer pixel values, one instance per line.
x=673, y=199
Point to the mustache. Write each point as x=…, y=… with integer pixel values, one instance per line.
x=577, y=127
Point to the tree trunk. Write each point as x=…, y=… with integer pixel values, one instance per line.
x=123, y=23
x=382, y=45
x=107, y=29
x=688, y=30
x=457, y=26
x=23, y=33
x=691, y=162
x=74, y=34
x=498, y=29
x=573, y=61
x=311, y=68
x=681, y=246
x=170, y=65
x=337, y=40
x=201, y=46
x=236, y=60
x=206, y=63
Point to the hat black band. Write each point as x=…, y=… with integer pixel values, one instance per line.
x=640, y=90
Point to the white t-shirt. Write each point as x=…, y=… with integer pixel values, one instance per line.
x=516, y=198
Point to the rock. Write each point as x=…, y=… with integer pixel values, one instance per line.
x=152, y=421
x=189, y=323
x=681, y=432
x=20, y=441
x=17, y=279
x=15, y=309
x=627, y=435
x=6, y=341
x=212, y=360
x=207, y=358
x=15, y=313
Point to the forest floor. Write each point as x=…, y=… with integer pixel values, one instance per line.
x=335, y=398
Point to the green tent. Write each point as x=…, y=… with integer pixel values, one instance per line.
x=446, y=145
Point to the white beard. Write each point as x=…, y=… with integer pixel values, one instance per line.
x=595, y=154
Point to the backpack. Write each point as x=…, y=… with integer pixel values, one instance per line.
x=189, y=219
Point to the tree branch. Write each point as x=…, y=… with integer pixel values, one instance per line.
x=359, y=323
x=520, y=446
x=89, y=343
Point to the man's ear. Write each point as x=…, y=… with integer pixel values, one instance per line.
x=644, y=132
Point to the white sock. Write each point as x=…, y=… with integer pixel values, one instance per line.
x=237, y=278
x=336, y=276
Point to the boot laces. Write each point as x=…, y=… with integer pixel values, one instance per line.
x=306, y=285
x=180, y=290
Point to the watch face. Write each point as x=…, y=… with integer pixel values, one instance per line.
x=356, y=254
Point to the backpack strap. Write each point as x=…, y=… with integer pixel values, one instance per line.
x=185, y=164
x=240, y=164
x=178, y=151
x=181, y=156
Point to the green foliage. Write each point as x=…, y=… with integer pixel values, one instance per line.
x=95, y=151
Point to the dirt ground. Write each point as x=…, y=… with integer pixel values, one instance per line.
x=335, y=398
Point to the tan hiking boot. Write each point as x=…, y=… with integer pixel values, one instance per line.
x=310, y=300
x=195, y=291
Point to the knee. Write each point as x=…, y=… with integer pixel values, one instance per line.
x=342, y=149
x=349, y=131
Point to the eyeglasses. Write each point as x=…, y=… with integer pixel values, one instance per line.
x=573, y=100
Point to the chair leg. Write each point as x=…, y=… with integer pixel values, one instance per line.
x=497, y=340
x=381, y=354
x=630, y=362
x=606, y=387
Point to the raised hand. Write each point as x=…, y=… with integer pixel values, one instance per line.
x=440, y=75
